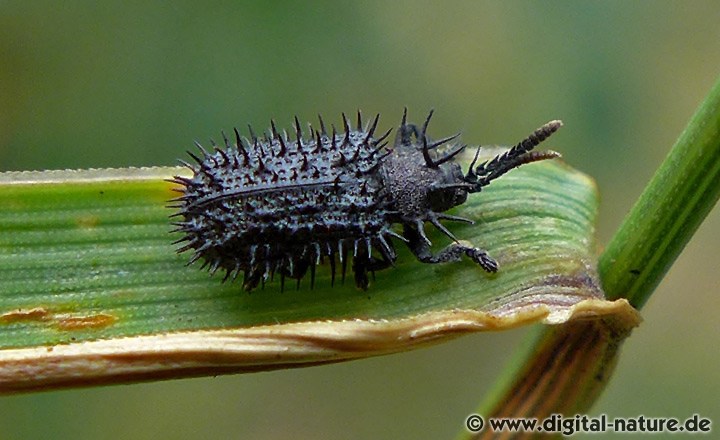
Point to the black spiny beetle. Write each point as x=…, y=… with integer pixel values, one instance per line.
x=281, y=205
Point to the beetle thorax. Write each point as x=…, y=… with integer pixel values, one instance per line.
x=416, y=188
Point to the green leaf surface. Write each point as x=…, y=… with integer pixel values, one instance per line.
x=87, y=256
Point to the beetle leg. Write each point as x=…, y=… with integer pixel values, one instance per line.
x=363, y=263
x=453, y=252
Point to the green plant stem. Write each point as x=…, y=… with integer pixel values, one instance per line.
x=665, y=217
x=669, y=211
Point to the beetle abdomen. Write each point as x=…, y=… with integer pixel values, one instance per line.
x=271, y=205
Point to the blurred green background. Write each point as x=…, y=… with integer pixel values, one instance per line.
x=116, y=84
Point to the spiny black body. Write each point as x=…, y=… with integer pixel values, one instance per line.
x=282, y=204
